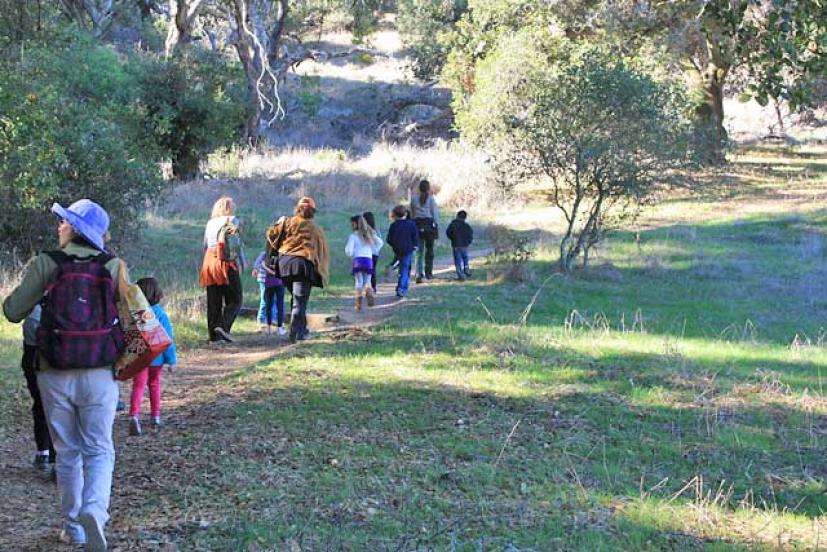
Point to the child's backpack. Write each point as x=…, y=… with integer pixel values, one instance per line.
x=229, y=241
x=79, y=325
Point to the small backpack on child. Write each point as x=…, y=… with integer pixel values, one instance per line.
x=229, y=241
x=79, y=325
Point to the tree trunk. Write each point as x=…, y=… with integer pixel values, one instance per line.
x=185, y=166
x=247, y=56
x=183, y=14
x=709, y=113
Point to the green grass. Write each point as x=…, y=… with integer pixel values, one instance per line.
x=669, y=398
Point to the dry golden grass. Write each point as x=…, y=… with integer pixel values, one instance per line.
x=458, y=174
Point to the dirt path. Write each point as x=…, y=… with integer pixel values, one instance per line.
x=198, y=401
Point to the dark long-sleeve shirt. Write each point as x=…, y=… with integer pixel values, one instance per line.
x=403, y=237
x=460, y=233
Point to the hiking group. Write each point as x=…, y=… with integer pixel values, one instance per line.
x=69, y=300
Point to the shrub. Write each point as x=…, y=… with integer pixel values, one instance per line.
x=70, y=128
x=425, y=26
x=77, y=119
x=512, y=250
x=190, y=109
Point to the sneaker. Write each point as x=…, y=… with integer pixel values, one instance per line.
x=156, y=422
x=95, y=539
x=223, y=334
x=135, y=427
x=121, y=406
x=66, y=538
x=304, y=335
x=282, y=331
x=418, y=279
x=467, y=273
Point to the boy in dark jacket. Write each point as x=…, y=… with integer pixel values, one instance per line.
x=403, y=237
x=461, y=236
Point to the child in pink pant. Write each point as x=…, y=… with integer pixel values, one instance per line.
x=152, y=374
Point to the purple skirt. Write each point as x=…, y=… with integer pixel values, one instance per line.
x=362, y=264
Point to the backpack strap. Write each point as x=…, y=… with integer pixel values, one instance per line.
x=59, y=257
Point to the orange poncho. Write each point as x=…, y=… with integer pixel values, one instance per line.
x=214, y=271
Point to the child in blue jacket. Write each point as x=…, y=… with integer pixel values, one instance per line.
x=403, y=237
x=152, y=374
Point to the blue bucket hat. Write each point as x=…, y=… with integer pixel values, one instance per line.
x=88, y=219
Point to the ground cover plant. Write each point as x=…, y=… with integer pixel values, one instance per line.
x=670, y=397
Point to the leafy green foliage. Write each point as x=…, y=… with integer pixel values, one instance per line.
x=604, y=133
x=79, y=120
x=425, y=26
x=607, y=136
x=70, y=128
x=478, y=33
x=192, y=105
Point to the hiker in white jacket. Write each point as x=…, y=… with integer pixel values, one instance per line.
x=361, y=246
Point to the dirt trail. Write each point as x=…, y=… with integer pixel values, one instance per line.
x=198, y=400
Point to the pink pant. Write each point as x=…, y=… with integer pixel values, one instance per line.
x=153, y=375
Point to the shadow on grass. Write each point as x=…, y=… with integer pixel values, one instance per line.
x=333, y=448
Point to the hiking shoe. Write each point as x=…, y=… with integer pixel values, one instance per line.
x=95, y=539
x=282, y=331
x=223, y=334
x=135, y=427
x=43, y=467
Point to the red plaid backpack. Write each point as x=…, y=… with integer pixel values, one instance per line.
x=79, y=326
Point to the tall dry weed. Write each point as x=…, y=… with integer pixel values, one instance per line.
x=460, y=176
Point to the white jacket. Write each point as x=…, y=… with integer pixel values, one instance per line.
x=355, y=247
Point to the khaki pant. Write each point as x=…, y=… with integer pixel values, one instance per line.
x=80, y=407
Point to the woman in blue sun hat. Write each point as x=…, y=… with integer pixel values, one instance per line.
x=78, y=341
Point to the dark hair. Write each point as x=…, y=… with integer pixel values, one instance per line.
x=355, y=219
x=399, y=212
x=305, y=211
x=462, y=215
x=369, y=219
x=424, y=191
x=152, y=291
